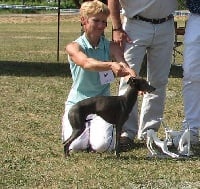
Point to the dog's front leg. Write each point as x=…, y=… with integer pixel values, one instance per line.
x=150, y=141
x=149, y=145
x=118, y=127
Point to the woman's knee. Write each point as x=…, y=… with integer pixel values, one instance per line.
x=103, y=145
x=80, y=143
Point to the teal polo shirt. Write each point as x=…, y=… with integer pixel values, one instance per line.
x=87, y=83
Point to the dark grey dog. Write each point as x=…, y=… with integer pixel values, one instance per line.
x=113, y=109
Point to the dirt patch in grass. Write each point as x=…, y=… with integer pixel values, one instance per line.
x=37, y=18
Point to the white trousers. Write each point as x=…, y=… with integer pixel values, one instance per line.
x=191, y=67
x=155, y=40
x=98, y=133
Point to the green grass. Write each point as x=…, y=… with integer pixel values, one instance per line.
x=33, y=91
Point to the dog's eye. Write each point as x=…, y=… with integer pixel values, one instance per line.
x=132, y=79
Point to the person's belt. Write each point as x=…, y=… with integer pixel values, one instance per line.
x=154, y=21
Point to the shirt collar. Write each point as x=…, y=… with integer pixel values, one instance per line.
x=99, y=46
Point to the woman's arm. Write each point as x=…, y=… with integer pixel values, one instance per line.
x=118, y=55
x=77, y=55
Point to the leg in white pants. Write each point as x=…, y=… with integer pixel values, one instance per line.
x=157, y=41
x=102, y=135
x=191, y=66
x=98, y=133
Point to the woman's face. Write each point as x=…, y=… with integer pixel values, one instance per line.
x=95, y=25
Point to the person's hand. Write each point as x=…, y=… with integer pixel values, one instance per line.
x=121, y=37
x=120, y=70
x=132, y=72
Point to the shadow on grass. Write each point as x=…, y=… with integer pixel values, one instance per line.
x=34, y=69
x=59, y=69
x=130, y=156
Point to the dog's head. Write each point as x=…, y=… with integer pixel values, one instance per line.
x=140, y=84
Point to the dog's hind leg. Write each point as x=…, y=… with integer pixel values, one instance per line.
x=117, y=140
x=77, y=122
x=75, y=134
x=166, y=151
x=66, y=148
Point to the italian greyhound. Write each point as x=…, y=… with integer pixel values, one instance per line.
x=152, y=138
x=183, y=136
x=113, y=109
x=169, y=133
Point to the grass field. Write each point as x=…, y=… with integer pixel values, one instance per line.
x=33, y=90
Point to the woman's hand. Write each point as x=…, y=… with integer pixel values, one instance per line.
x=122, y=69
x=131, y=71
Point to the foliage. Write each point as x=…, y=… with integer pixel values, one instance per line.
x=64, y=3
x=53, y=3
x=182, y=5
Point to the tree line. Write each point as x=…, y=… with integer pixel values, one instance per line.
x=64, y=3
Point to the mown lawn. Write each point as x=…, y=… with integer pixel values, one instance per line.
x=33, y=90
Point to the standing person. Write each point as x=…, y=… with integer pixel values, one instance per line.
x=148, y=28
x=191, y=67
x=92, y=71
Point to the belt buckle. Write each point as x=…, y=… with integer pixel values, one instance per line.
x=152, y=20
x=155, y=21
x=137, y=17
x=160, y=21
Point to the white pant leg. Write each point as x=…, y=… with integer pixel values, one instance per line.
x=102, y=135
x=159, y=56
x=191, y=66
x=130, y=127
x=82, y=142
x=134, y=55
x=158, y=40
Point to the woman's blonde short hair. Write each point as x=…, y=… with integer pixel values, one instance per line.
x=90, y=8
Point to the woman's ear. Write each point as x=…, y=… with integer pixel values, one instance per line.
x=83, y=21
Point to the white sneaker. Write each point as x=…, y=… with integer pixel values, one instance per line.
x=194, y=138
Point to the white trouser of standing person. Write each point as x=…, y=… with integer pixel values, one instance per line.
x=191, y=67
x=157, y=40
